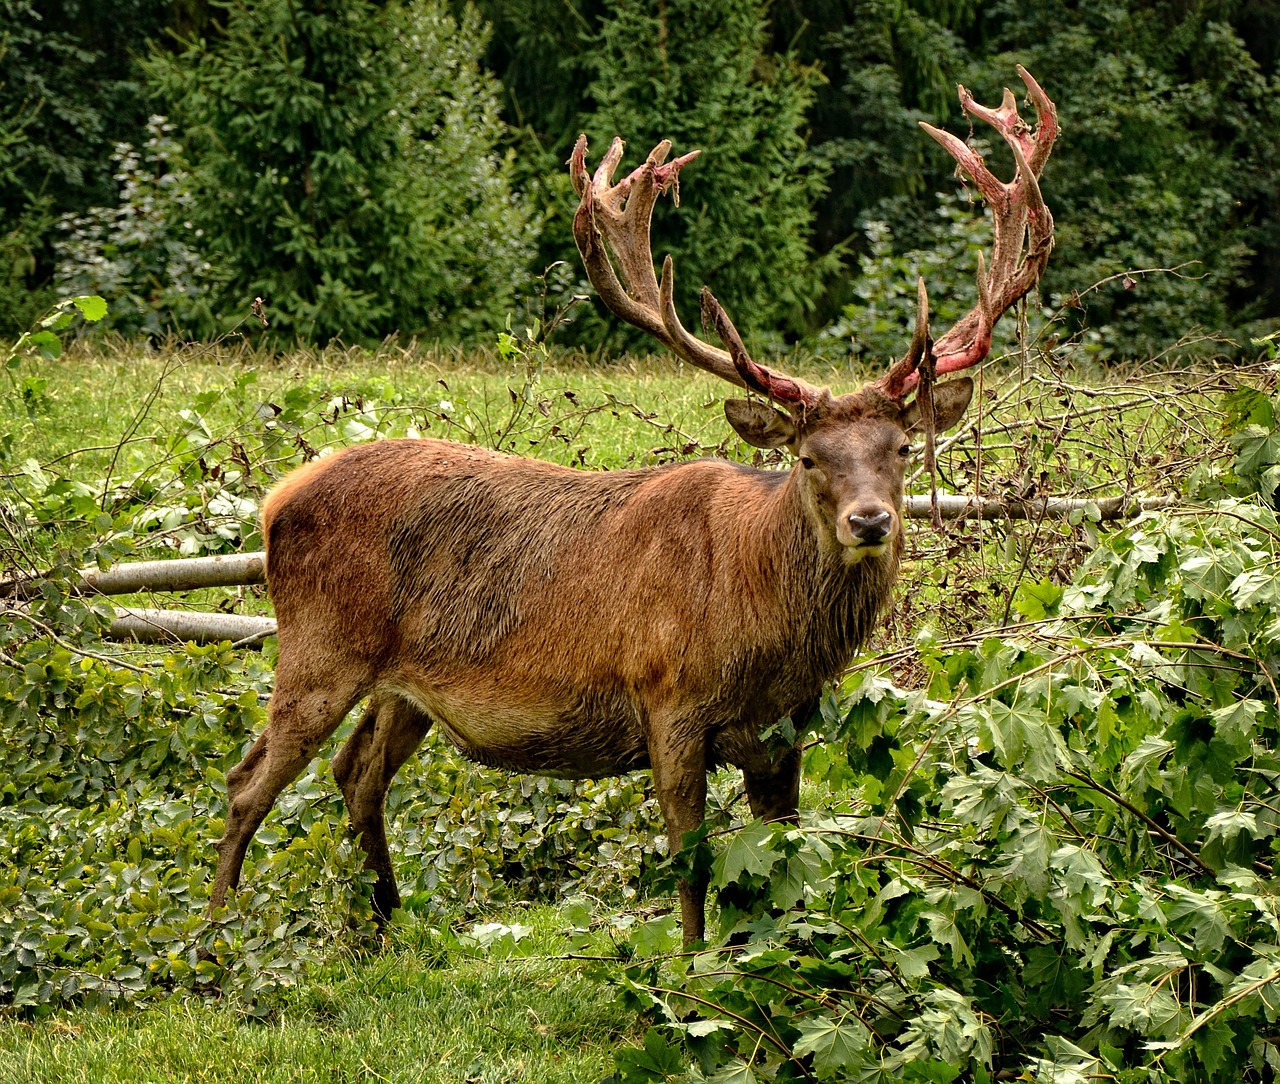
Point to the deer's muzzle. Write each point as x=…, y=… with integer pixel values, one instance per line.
x=865, y=528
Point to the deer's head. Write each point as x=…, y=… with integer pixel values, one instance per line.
x=850, y=450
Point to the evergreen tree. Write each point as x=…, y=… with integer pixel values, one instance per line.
x=344, y=166
x=698, y=73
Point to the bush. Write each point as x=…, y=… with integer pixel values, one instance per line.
x=143, y=252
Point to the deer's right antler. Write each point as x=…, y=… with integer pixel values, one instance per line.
x=1018, y=212
x=616, y=217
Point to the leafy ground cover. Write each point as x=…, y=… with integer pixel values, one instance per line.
x=1041, y=821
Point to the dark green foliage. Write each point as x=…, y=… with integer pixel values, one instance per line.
x=68, y=92
x=353, y=222
x=344, y=166
x=144, y=252
x=699, y=74
x=1168, y=128
x=888, y=64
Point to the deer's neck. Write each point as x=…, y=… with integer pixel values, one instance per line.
x=832, y=605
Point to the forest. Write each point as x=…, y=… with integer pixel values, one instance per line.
x=1039, y=811
x=374, y=169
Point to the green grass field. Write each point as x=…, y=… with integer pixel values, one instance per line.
x=416, y=1011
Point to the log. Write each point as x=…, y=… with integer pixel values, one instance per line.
x=178, y=574
x=181, y=626
x=1109, y=508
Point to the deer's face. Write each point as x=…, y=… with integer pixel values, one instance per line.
x=850, y=476
x=851, y=458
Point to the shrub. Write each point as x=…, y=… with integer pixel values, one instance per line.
x=699, y=75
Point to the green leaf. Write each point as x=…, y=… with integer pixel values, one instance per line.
x=1036, y=601
x=658, y=1059
x=836, y=1045
x=48, y=344
x=750, y=850
x=91, y=307
x=736, y=1072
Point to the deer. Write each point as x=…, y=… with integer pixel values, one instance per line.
x=582, y=623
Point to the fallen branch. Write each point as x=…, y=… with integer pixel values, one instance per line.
x=183, y=626
x=956, y=507
x=179, y=574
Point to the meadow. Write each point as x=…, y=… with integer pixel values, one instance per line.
x=1038, y=824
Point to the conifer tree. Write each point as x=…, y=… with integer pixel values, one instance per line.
x=698, y=73
x=345, y=166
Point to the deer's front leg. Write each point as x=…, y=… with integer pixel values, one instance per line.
x=678, y=752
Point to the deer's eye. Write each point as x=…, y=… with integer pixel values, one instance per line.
x=806, y=462
x=905, y=451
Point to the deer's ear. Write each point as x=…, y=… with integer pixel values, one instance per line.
x=759, y=424
x=950, y=401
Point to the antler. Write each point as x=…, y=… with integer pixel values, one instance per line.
x=617, y=217
x=1018, y=211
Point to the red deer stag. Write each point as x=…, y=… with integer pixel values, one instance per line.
x=583, y=624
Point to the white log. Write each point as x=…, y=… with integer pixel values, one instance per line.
x=181, y=626
x=957, y=507
x=178, y=574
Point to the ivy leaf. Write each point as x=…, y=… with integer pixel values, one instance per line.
x=836, y=1045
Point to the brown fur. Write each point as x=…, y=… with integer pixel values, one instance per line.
x=566, y=622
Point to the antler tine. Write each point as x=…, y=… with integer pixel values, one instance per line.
x=1018, y=213
x=902, y=375
x=616, y=218
x=776, y=386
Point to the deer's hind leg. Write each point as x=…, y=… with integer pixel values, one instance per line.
x=386, y=736
x=306, y=707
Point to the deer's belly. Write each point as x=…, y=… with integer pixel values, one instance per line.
x=586, y=738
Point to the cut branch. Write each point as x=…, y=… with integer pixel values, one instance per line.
x=183, y=626
x=179, y=574
x=960, y=507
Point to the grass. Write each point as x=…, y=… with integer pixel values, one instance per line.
x=423, y=1011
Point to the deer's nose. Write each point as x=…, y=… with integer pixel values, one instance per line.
x=870, y=528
